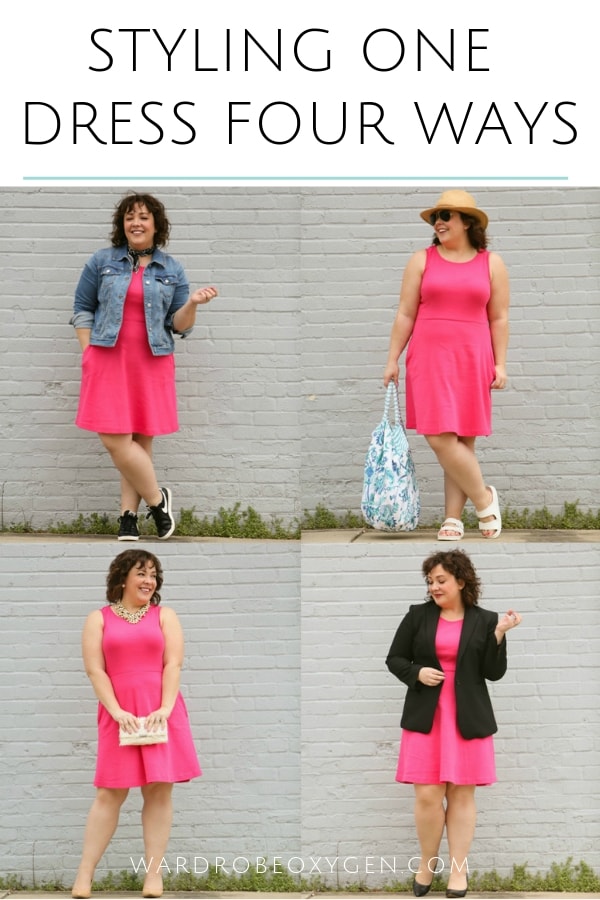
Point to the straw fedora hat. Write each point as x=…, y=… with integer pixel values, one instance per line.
x=458, y=200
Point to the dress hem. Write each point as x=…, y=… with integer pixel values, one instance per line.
x=449, y=781
x=97, y=430
x=438, y=431
x=138, y=783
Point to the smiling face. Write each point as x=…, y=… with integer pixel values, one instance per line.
x=445, y=589
x=139, y=586
x=139, y=227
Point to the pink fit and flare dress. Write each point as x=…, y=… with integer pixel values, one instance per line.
x=449, y=361
x=444, y=754
x=125, y=389
x=133, y=656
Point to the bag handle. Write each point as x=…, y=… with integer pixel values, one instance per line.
x=392, y=394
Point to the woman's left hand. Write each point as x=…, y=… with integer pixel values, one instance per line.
x=509, y=620
x=500, y=379
x=157, y=719
x=203, y=295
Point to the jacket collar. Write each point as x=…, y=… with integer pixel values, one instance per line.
x=159, y=256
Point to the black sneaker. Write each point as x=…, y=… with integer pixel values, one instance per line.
x=128, y=527
x=162, y=515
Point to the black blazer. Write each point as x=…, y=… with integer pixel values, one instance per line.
x=479, y=657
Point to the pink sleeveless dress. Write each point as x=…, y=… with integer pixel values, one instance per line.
x=444, y=754
x=133, y=656
x=125, y=389
x=449, y=360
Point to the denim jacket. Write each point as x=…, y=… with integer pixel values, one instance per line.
x=100, y=297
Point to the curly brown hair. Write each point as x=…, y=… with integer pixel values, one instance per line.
x=457, y=563
x=476, y=233
x=120, y=568
x=153, y=205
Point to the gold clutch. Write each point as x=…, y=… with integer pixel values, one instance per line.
x=141, y=736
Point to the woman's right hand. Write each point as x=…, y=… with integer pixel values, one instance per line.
x=430, y=677
x=126, y=721
x=392, y=373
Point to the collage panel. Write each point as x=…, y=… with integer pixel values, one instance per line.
x=541, y=455
x=236, y=374
x=238, y=605
x=540, y=812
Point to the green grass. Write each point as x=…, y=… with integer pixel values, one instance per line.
x=576, y=878
x=571, y=517
x=235, y=523
x=561, y=877
x=249, y=524
x=228, y=523
x=323, y=519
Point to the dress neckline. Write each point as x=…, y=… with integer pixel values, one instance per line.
x=455, y=262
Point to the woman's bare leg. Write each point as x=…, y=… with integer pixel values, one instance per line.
x=456, y=456
x=130, y=499
x=135, y=465
x=102, y=821
x=461, y=814
x=454, y=497
x=157, y=817
x=430, y=817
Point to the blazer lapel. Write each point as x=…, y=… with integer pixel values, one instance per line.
x=469, y=624
x=431, y=624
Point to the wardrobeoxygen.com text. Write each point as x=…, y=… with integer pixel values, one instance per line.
x=297, y=865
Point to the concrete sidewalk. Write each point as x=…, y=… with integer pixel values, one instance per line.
x=358, y=535
x=333, y=536
x=307, y=895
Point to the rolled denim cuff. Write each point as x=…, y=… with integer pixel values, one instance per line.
x=183, y=334
x=169, y=326
x=82, y=319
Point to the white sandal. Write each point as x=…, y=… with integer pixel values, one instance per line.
x=493, y=509
x=451, y=524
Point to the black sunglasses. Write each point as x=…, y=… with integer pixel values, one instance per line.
x=444, y=214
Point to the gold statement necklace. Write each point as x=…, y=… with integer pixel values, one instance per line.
x=133, y=617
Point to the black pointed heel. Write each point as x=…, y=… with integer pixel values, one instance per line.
x=419, y=890
x=456, y=895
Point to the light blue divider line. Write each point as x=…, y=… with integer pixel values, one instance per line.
x=289, y=178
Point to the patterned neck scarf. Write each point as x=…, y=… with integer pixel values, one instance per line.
x=134, y=255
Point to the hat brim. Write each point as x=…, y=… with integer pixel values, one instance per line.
x=467, y=210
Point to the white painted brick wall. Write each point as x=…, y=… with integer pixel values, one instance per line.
x=295, y=716
x=280, y=385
